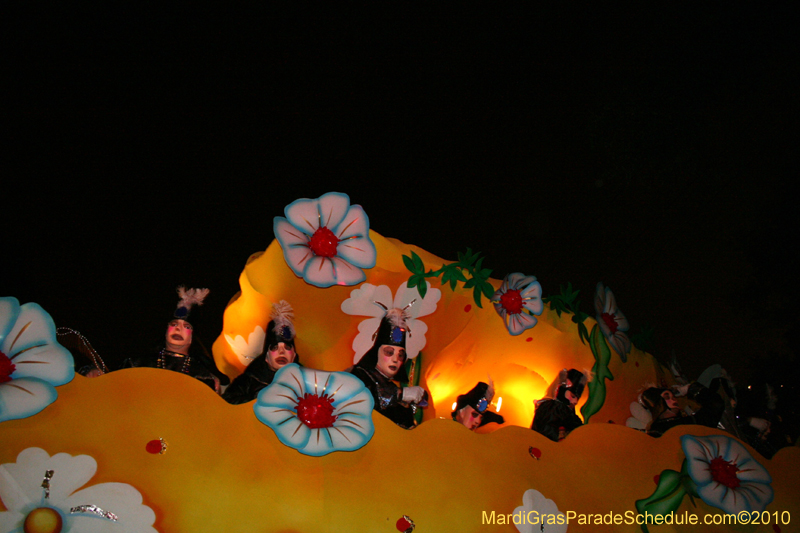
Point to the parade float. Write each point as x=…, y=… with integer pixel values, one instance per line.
x=144, y=450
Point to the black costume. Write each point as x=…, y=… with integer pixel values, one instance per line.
x=555, y=417
x=387, y=397
x=709, y=414
x=194, y=364
x=249, y=383
x=386, y=394
x=258, y=374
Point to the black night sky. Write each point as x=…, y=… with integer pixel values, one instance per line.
x=650, y=147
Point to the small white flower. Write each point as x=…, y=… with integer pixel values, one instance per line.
x=535, y=510
x=247, y=350
x=22, y=494
x=369, y=300
x=612, y=322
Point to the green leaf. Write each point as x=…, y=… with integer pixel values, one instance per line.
x=469, y=284
x=418, y=262
x=666, y=498
x=476, y=295
x=409, y=263
x=459, y=275
x=488, y=290
x=422, y=287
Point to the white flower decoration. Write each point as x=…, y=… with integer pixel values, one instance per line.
x=96, y=506
x=326, y=241
x=247, y=350
x=369, y=300
x=640, y=418
x=612, y=322
x=317, y=412
x=32, y=363
x=537, y=510
x=726, y=475
x=517, y=300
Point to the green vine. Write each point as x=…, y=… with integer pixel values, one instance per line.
x=468, y=270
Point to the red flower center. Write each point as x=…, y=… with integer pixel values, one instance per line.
x=316, y=412
x=611, y=322
x=724, y=472
x=6, y=368
x=511, y=301
x=323, y=242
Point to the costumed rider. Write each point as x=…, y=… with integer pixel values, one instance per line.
x=279, y=351
x=555, y=417
x=472, y=408
x=179, y=353
x=663, y=407
x=383, y=365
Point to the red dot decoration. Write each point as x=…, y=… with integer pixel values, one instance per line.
x=404, y=524
x=637, y=363
x=656, y=478
x=536, y=453
x=529, y=339
x=154, y=446
x=467, y=308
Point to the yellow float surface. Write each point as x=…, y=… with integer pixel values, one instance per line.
x=224, y=470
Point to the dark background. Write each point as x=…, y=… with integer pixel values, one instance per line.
x=651, y=147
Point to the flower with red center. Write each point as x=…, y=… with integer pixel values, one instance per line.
x=32, y=362
x=726, y=475
x=518, y=301
x=6, y=368
x=317, y=412
x=612, y=322
x=326, y=241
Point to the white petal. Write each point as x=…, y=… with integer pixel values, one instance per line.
x=421, y=306
x=10, y=521
x=333, y=207
x=355, y=245
x=294, y=245
x=363, y=341
x=9, y=310
x=635, y=423
x=364, y=300
x=121, y=499
x=21, y=482
x=415, y=340
x=640, y=413
x=286, y=389
x=284, y=422
x=304, y=215
x=599, y=300
x=622, y=322
x=32, y=346
x=324, y=272
x=519, y=322
x=611, y=303
x=24, y=397
x=518, y=280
